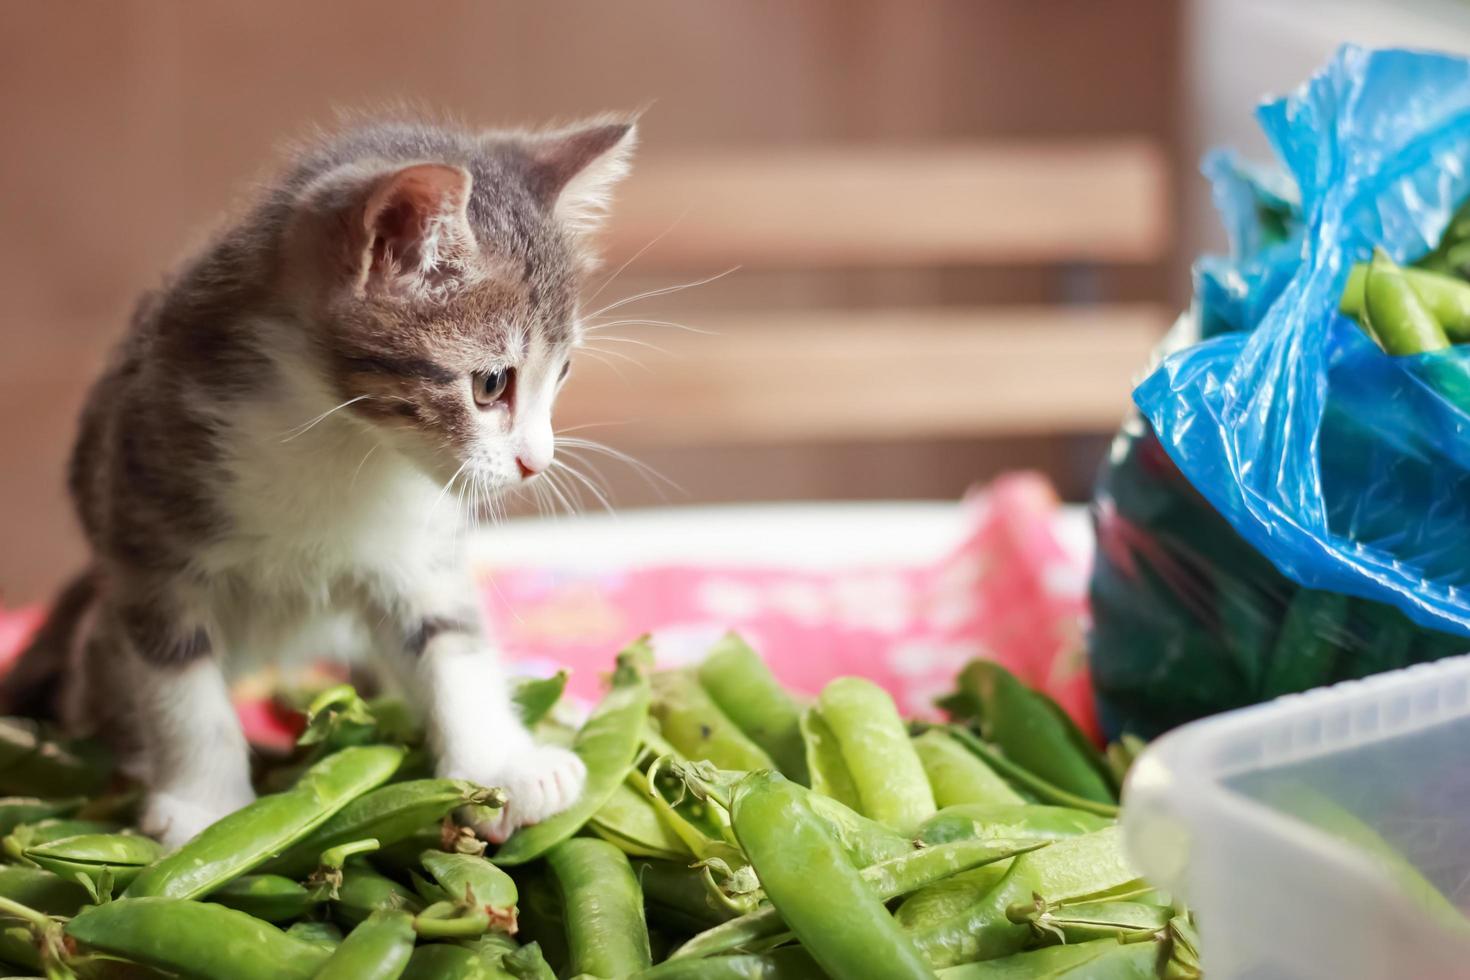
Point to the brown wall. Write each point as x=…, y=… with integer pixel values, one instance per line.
x=128, y=124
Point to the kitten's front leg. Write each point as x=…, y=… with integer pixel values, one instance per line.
x=194, y=755
x=472, y=723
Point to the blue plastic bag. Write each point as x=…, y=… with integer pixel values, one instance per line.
x=1291, y=507
x=1348, y=469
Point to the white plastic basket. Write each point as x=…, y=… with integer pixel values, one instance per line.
x=1276, y=896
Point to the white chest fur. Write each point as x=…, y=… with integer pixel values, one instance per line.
x=319, y=512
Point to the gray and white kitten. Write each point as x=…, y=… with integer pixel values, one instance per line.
x=286, y=435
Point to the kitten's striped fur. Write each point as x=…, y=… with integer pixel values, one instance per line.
x=286, y=434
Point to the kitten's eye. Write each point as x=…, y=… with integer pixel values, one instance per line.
x=489, y=386
x=565, y=370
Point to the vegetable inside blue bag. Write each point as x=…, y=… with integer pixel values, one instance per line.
x=1291, y=507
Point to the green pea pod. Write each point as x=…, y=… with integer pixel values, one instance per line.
x=387, y=814
x=195, y=939
x=527, y=963
x=269, y=897
x=542, y=919
x=1307, y=646
x=630, y=820
x=252, y=835
x=18, y=945
x=789, y=963
x=17, y=810
x=378, y=949
x=32, y=764
x=477, y=881
x=864, y=840
x=1028, y=821
x=1445, y=297
x=943, y=900
x=45, y=831
x=441, y=961
x=445, y=835
x=1026, y=780
x=887, y=879
x=1064, y=870
x=1030, y=731
x=1101, y=959
x=1181, y=941
x=535, y=697
x=885, y=769
x=674, y=886
x=689, y=718
x=1121, y=754
x=363, y=891
x=324, y=934
x=826, y=768
x=607, y=744
x=1327, y=815
x=1080, y=922
x=42, y=890
x=814, y=887
x=957, y=775
x=1395, y=314
x=120, y=856
x=746, y=691
x=606, y=932
x=1249, y=614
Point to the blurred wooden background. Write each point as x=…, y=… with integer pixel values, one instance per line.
x=995, y=327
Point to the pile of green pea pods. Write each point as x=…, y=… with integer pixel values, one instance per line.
x=727, y=830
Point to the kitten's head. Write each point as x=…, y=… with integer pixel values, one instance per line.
x=439, y=272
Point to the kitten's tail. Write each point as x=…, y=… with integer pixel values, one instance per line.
x=32, y=685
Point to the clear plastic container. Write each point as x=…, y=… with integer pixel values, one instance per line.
x=1247, y=816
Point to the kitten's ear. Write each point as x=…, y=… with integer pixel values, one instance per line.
x=573, y=171
x=414, y=231
x=384, y=229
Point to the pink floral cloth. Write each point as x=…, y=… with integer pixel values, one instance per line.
x=1009, y=591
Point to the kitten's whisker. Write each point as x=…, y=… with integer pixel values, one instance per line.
x=661, y=291
x=590, y=466
x=587, y=482
x=636, y=343
x=638, y=465
x=556, y=489
x=618, y=354
x=363, y=462
x=302, y=429
x=652, y=323
x=636, y=256
x=444, y=490
x=604, y=361
x=587, y=425
x=537, y=498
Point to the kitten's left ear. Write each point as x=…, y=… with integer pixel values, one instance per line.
x=573, y=171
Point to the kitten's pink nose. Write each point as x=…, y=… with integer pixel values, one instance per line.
x=529, y=468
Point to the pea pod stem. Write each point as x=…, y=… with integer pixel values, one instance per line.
x=448, y=920
x=25, y=913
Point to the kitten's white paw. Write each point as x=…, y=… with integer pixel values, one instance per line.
x=539, y=783
x=174, y=819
